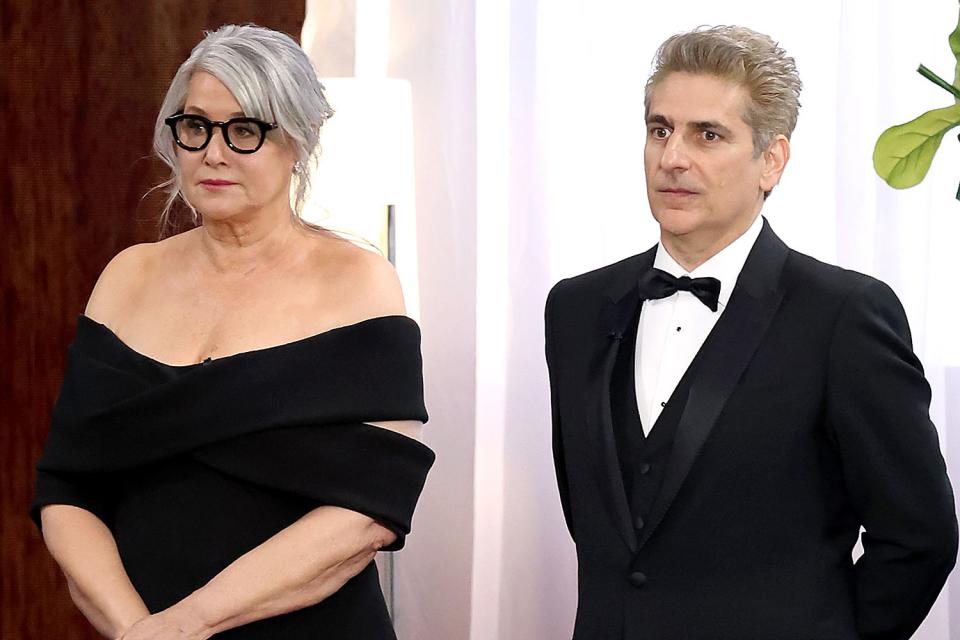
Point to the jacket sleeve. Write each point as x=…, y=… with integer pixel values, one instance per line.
x=878, y=410
x=559, y=460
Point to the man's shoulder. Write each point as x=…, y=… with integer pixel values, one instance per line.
x=598, y=283
x=844, y=295
x=825, y=280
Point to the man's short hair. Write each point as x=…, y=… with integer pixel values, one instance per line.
x=745, y=57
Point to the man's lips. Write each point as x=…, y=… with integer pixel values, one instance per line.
x=677, y=191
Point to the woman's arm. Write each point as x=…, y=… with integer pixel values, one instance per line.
x=77, y=539
x=410, y=428
x=87, y=553
x=299, y=566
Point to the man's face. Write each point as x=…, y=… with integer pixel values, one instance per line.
x=703, y=181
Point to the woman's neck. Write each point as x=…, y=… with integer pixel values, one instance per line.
x=232, y=247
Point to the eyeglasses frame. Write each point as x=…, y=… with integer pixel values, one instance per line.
x=171, y=121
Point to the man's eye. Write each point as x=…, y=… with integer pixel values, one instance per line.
x=659, y=132
x=710, y=136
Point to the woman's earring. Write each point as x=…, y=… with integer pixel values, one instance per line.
x=297, y=167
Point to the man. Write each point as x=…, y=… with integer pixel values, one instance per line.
x=728, y=412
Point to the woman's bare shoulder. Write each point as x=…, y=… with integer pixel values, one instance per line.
x=366, y=283
x=122, y=281
x=367, y=286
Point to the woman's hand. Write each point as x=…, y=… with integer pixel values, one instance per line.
x=175, y=623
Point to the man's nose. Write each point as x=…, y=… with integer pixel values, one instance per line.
x=675, y=154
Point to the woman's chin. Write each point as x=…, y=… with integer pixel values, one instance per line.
x=218, y=211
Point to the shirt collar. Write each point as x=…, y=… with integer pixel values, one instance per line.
x=725, y=265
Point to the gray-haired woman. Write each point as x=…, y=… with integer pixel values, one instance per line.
x=235, y=438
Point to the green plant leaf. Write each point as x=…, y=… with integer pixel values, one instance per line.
x=903, y=153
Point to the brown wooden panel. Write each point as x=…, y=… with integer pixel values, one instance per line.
x=80, y=85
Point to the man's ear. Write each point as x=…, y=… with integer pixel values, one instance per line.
x=775, y=159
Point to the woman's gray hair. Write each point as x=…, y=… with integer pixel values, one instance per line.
x=271, y=78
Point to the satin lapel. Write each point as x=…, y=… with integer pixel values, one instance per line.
x=615, y=316
x=725, y=355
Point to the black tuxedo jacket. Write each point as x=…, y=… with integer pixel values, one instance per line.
x=806, y=418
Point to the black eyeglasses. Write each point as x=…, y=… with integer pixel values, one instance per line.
x=193, y=132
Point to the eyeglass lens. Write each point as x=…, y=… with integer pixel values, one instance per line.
x=195, y=132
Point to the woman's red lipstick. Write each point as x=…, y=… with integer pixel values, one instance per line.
x=216, y=184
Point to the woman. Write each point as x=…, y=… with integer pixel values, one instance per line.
x=235, y=437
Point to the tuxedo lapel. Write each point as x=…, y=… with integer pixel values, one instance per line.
x=724, y=357
x=619, y=308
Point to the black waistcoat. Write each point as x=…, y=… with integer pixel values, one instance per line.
x=643, y=460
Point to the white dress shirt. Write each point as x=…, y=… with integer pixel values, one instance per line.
x=673, y=329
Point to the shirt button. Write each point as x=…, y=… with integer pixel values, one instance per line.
x=644, y=468
x=663, y=404
x=638, y=579
x=678, y=328
x=638, y=523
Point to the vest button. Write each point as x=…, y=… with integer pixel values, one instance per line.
x=644, y=468
x=638, y=523
x=638, y=579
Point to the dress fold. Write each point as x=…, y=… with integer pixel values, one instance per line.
x=241, y=445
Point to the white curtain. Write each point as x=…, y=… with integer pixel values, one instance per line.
x=529, y=136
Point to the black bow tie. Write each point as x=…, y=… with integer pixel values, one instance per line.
x=656, y=284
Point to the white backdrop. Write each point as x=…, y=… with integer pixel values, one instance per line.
x=529, y=137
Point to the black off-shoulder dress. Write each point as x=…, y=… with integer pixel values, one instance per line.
x=192, y=466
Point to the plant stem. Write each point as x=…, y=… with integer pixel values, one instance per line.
x=937, y=80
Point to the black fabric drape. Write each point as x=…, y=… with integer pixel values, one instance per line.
x=290, y=418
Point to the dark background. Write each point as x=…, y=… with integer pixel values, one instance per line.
x=80, y=86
